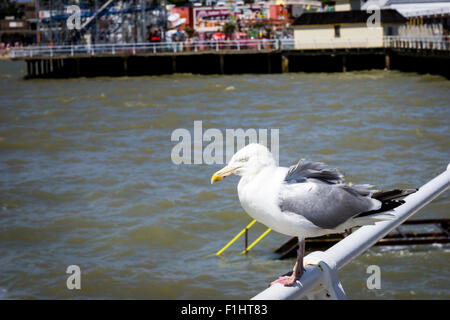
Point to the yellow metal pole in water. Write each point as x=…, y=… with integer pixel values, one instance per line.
x=236, y=237
x=256, y=241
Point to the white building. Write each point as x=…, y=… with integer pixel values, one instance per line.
x=346, y=27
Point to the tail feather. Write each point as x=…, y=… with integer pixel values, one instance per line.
x=389, y=200
x=392, y=194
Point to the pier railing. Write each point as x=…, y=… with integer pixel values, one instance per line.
x=320, y=281
x=426, y=12
x=418, y=43
x=397, y=42
x=154, y=48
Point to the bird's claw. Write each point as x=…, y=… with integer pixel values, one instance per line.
x=287, y=281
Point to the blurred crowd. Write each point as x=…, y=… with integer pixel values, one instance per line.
x=6, y=47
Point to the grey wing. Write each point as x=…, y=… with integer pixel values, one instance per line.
x=326, y=205
x=305, y=169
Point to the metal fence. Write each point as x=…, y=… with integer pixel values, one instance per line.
x=154, y=48
x=329, y=43
x=419, y=43
x=398, y=42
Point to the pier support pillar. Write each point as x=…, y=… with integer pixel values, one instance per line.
x=57, y=67
x=45, y=67
x=387, y=59
x=28, y=68
x=174, y=64
x=33, y=68
x=222, y=64
x=39, y=68
x=125, y=66
x=344, y=63
x=77, y=67
x=269, y=63
x=284, y=64
x=54, y=69
x=53, y=66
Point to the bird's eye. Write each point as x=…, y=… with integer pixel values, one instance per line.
x=243, y=160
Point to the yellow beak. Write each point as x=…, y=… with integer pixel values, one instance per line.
x=222, y=173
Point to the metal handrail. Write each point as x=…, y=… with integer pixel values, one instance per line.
x=425, y=12
x=326, y=43
x=155, y=47
x=403, y=42
x=437, y=42
x=413, y=42
x=320, y=280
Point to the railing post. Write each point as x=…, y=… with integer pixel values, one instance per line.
x=246, y=241
x=330, y=287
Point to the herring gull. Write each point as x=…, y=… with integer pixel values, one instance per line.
x=306, y=200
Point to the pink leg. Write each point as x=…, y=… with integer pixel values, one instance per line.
x=347, y=232
x=290, y=278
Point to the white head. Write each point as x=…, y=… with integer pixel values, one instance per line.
x=249, y=160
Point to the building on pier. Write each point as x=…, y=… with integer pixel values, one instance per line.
x=346, y=27
x=17, y=23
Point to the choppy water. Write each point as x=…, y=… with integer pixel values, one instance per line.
x=86, y=179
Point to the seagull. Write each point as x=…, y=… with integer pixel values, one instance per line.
x=305, y=200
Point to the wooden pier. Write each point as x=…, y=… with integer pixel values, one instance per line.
x=229, y=57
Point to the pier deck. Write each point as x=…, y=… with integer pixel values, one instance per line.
x=424, y=55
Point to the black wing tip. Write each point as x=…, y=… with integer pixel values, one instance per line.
x=393, y=194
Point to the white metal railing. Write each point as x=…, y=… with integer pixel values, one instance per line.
x=401, y=42
x=425, y=12
x=320, y=279
x=338, y=43
x=415, y=42
x=154, y=47
x=406, y=42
